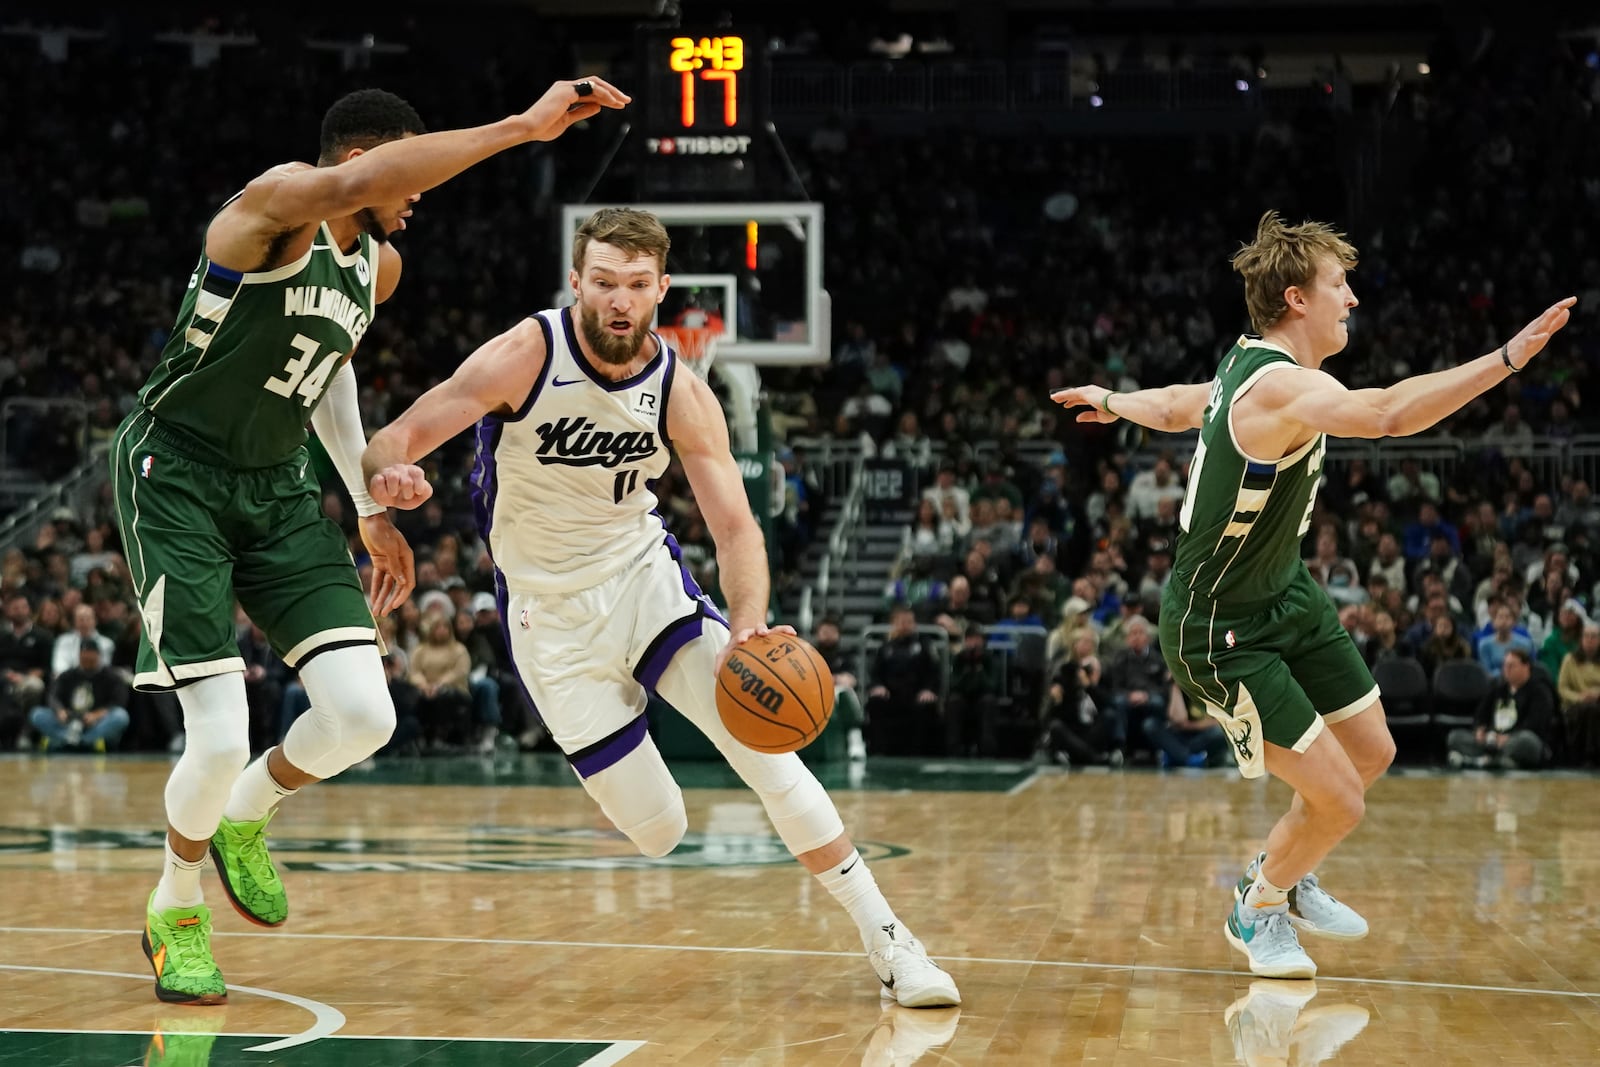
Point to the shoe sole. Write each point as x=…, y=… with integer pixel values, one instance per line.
x=172, y=996
x=1306, y=926
x=227, y=891
x=928, y=998
x=1255, y=968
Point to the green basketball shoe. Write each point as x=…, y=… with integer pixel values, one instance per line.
x=183, y=1040
x=239, y=849
x=177, y=942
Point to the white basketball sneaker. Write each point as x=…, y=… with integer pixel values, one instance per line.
x=1312, y=909
x=1262, y=1022
x=905, y=970
x=1268, y=941
x=1323, y=1031
x=904, y=1035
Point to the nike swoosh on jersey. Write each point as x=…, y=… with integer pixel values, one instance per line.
x=570, y=381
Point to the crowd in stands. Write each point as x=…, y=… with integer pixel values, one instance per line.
x=1478, y=560
x=960, y=301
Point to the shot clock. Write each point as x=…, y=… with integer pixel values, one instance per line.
x=704, y=110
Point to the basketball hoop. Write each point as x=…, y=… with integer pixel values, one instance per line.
x=696, y=346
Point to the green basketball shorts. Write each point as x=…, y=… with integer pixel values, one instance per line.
x=1276, y=673
x=198, y=536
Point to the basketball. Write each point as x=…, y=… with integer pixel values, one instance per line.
x=774, y=693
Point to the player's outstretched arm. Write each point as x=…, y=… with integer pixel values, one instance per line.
x=294, y=195
x=1170, y=408
x=495, y=379
x=700, y=438
x=1315, y=399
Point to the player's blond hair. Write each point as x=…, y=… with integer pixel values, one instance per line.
x=635, y=232
x=1281, y=256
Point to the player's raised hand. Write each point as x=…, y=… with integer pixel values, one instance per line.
x=1533, y=337
x=569, y=102
x=1090, y=396
x=402, y=485
x=394, y=571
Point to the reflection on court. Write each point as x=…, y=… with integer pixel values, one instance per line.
x=507, y=923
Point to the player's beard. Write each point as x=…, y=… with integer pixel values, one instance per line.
x=611, y=349
x=367, y=219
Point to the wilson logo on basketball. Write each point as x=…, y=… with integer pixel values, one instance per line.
x=751, y=685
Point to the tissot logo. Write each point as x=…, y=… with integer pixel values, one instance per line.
x=576, y=442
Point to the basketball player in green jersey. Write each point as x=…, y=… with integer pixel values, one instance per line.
x=212, y=495
x=1244, y=627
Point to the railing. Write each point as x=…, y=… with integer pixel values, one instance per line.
x=1441, y=454
x=76, y=491
x=825, y=596
x=871, y=638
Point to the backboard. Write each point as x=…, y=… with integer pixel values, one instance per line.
x=755, y=268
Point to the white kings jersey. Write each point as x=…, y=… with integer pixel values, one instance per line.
x=563, y=488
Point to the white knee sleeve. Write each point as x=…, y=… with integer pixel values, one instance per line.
x=351, y=715
x=800, y=809
x=216, y=721
x=640, y=797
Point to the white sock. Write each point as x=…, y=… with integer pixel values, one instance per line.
x=255, y=793
x=180, y=882
x=1263, y=894
x=853, y=886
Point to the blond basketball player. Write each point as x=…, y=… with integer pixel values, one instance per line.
x=1244, y=628
x=576, y=412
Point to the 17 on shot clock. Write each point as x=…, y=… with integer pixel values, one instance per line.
x=705, y=106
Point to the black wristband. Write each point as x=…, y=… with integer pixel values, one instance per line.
x=1505, y=357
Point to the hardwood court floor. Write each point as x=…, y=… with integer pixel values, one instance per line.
x=1081, y=915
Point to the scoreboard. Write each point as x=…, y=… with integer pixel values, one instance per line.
x=705, y=110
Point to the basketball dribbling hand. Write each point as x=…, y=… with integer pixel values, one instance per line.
x=569, y=102
x=402, y=485
x=394, y=572
x=740, y=636
x=1090, y=396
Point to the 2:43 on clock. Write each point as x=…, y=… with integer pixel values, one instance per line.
x=711, y=59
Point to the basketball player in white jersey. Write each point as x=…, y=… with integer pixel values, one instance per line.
x=576, y=410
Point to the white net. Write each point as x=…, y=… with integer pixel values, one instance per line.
x=695, y=345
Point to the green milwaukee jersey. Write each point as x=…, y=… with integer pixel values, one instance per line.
x=1243, y=518
x=251, y=353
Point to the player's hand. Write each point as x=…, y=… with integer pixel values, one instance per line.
x=1531, y=341
x=740, y=636
x=394, y=570
x=1090, y=396
x=562, y=105
x=402, y=485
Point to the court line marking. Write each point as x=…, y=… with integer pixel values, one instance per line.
x=627, y=1047
x=1025, y=783
x=746, y=950
x=326, y=1019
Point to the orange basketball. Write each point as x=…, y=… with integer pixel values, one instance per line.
x=774, y=693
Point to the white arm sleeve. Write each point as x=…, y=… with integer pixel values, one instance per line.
x=337, y=421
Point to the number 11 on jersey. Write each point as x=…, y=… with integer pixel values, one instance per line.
x=627, y=482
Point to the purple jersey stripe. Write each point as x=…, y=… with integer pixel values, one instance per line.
x=596, y=758
x=502, y=601
x=658, y=656
x=483, y=480
x=690, y=587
